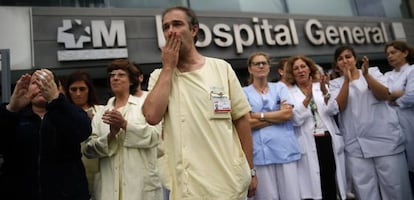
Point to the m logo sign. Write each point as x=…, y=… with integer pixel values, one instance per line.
x=91, y=42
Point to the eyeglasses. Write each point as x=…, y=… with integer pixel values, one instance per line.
x=74, y=89
x=259, y=63
x=120, y=75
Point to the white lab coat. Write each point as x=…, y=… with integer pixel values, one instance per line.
x=128, y=164
x=371, y=131
x=303, y=122
x=370, y=127
x=404, y=80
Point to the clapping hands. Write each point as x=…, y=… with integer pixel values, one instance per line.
x=115, y=120
x=365, y=65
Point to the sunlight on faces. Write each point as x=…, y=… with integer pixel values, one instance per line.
x=78, y=92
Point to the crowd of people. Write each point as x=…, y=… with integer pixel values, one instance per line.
x=198, y=134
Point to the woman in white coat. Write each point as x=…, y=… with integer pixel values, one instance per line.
x=322, y=166
x=124, y=142
x=374, y=142
x=400, y=83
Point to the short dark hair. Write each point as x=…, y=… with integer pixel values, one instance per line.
x=139, y=70
x=341, y=49
x=192, y=17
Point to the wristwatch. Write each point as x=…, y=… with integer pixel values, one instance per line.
x=327, y=95
x=253, y=172
x=261, y=116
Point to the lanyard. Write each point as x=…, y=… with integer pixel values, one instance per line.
x=314, y=110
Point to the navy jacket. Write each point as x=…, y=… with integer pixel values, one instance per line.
x=42, y=158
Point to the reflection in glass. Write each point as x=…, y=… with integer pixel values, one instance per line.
x=373, y=8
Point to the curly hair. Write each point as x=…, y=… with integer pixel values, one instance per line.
x=314, y=71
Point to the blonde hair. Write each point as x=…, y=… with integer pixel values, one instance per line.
x=250, y=60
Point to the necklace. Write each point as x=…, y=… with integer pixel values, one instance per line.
x=261, y=90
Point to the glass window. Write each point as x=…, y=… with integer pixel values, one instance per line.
x=141, y=3
x=320, y=7
x=323, y=7
x=266, y=6
x=215, y=5
x=370, y=8
x=392, y=8
x=260, y=6
x=375, y=8
x=96, y=3
x=382, y=8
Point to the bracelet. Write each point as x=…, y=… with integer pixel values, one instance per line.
x=327, y=95
x=261, y=116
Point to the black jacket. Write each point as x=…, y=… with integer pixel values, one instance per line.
x=42, y=158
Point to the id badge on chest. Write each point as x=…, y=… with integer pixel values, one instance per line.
x=221, y=103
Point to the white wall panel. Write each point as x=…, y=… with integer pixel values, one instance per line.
x=15, y=34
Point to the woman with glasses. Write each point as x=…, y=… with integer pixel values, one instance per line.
x=80, y=91
x=124, y=143
x=275, y=148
